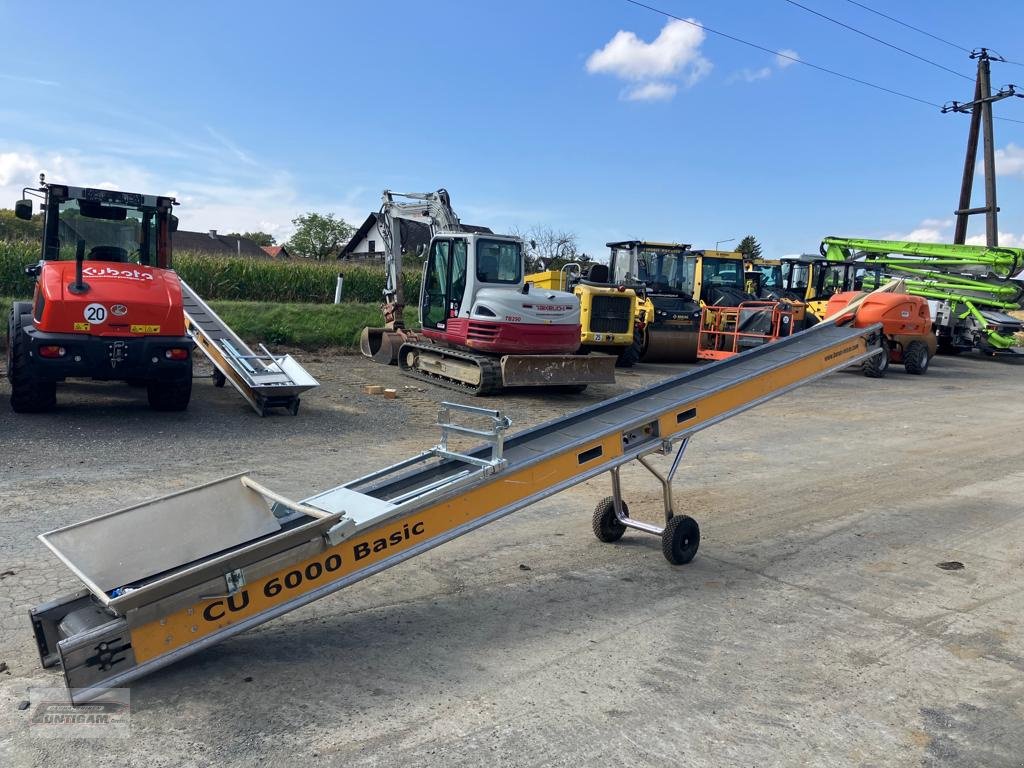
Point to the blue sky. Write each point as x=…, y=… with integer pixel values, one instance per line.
x=584, y=115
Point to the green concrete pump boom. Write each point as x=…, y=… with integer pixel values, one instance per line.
x=972, y=285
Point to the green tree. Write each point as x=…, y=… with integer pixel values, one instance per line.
x=319, y=236
x=749, y=247
x=260, y=238
x=13, y=228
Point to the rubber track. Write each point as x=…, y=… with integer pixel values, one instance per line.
x=490, y=369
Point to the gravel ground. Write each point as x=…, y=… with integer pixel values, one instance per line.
x=813, y=628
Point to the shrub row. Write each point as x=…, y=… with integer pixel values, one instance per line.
x=235, y=279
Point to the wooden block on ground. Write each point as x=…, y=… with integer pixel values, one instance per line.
x=390, y=394
x=373, y=389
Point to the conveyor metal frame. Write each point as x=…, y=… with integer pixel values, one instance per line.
x=264, y=379
x=103, y=637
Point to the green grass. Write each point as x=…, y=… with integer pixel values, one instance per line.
x=304, y=326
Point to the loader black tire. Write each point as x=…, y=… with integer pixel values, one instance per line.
x=630, y=356
x=28, y=393
x=876, y=366
x=169, y=395
x=607, y=527
x=680, y=540
x=915, y=358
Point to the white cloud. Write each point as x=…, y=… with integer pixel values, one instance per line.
x=751, y=75
x=1009, y=161
x=941, y=231
x=785, y=58
x=629, y=57
x=674, y=53
x=1007, y=239
x=30, y=80
x=246, y=199
x=650, y=92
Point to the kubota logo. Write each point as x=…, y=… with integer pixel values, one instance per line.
x=127, y=274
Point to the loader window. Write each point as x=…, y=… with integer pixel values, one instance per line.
x=666, y=270
x=498, y=261
x=831, y=280
x=796, y=276
x=111, y=233
x=435, y=286
x=723, y=272
x=458, y=270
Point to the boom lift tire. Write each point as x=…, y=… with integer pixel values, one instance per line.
x=680, y=540
x=607, y=527
x=875, y=367
x=169, y=395
x=28, y=395
x=915, y=358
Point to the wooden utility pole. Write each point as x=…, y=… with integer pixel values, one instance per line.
x=980, y=109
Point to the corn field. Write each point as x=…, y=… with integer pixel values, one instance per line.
x=233, y=279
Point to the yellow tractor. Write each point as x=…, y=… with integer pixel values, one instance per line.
x=611, y=320
x=814, y=280
x=673, y=284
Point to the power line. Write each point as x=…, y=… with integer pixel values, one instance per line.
x=923, y=32
x=780, y=54
x=879, y=40
x=908, y=26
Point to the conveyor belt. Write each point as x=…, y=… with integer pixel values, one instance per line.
x=264, y=380
x=222, y=558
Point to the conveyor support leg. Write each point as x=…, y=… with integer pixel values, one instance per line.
x=666, y=489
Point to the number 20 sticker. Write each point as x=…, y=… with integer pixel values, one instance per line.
x=95, y=313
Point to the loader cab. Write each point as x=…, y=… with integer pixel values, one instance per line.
x=662, y=268
x=458, y=265
x=103, y=225
x=763, y=278
x=719, y=277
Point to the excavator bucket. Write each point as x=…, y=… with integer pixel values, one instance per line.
x=381, y=344
x=557, y=370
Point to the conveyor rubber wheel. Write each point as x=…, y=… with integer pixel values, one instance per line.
x=607, y=527
x=915, y=359
x=876, y=366
x=680, y=540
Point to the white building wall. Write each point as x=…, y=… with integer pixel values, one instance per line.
x=362, y=248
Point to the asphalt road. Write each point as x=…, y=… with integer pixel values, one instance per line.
x=814, y=627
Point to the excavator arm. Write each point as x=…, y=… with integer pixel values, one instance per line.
x=431, y=208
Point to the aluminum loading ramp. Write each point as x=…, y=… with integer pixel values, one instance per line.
x=265, y=380
x=169, y=577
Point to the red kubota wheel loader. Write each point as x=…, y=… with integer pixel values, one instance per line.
x=113, y=313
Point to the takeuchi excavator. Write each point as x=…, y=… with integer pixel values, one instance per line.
x=483, y=328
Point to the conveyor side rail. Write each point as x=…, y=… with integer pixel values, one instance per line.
x=243, y=566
